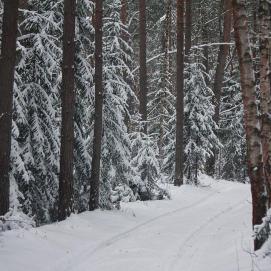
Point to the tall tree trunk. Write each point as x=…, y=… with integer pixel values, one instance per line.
x=126, y=37
x=220, y=69
x=68, y=108
x=264, y=26
x=143, y=64
x=7, y=67
x=164, y=77
x=180, y=95
x=123, y=18
x=188, y=26
x=170, y=47
x=123, y=12
x=23, y=4
x=98, y=121
x=251, y=116
x=206, y=53
x=222, y=56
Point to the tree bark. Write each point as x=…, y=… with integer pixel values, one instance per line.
x=251, y=116
x=220, y=70
x=164, y=77
x=98, y=120
x=206, y=54
x=188, y=26
x=222, y=56
x=7, y=68
x=265, y=91
x=23, y=4
x=180, y=95
x=68, y=108
x=123, y=12
x=143, y=64
x=123, y=18
x=126, y=37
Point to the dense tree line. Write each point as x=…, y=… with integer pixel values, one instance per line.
x=107, y=101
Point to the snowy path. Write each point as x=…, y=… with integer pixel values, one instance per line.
x=200, y=229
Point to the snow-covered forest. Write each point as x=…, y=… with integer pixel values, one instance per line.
x=135, y=135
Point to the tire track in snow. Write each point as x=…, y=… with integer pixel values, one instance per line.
x=74, y=260
x=173, y=265
x=125, y=234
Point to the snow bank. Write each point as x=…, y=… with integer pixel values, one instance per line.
x=205, y=228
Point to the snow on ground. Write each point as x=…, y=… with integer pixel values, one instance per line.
x=205, y=228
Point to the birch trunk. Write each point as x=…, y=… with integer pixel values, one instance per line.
x=251, y=116
x=264, y=26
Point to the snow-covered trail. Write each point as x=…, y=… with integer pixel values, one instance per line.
x=200, y=229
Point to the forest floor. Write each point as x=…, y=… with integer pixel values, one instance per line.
x=206, y=228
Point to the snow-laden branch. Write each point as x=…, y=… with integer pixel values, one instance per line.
x=175, y=51
x=263, y=231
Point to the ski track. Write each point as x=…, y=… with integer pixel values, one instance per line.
x=178, y=235
x=84, y=254
x=173, y=264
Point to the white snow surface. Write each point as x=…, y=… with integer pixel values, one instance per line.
x=205, y=228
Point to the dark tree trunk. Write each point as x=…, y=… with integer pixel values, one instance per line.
x=123, y=12
x=23, y=4
x=123, y=18
x=188, y=26
x=180, y=95
x=126, y=37
x=206, y=54
x=264, y=26
x=143, y=64
x=68, y=108
x=98, y=121
x=251, y=116
x=170, y=47
x=220, y=70
x=7, y=67
x=222, y=56
x=164, y=78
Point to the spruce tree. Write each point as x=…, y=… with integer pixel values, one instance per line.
x=116, y=152
x=84, y=111
x=199, y=124
x=38, y=93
